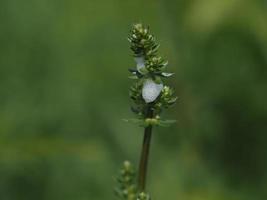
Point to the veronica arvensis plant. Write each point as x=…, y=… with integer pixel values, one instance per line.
x=150, y=96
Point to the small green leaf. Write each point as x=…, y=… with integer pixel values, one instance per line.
x=165, y=74
x=166, y=123
x=132, y=70
x=172, y=100
x=143, y=70
x=133, y=77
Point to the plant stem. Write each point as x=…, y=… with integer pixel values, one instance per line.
x=145, y=153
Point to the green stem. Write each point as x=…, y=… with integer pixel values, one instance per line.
x=145, y=153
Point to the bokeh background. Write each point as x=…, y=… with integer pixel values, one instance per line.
x=64, y=90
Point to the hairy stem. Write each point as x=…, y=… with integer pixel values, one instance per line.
x=145, y=153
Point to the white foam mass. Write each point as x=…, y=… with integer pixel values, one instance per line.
x=140, y=62
x=151, y=90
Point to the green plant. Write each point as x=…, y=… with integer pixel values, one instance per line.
x=150, y=96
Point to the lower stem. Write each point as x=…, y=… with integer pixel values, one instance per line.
x=145, y=153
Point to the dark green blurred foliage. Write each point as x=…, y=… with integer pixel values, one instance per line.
x=64, y=90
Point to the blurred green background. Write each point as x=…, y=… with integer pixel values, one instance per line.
x=64, y=91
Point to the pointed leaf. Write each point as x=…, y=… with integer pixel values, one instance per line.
x=165, y=74
x=166, y=123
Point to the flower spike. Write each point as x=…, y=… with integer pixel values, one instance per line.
x=149, y=91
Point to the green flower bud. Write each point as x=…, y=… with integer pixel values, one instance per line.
x=126, y=188
x=143, y=196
